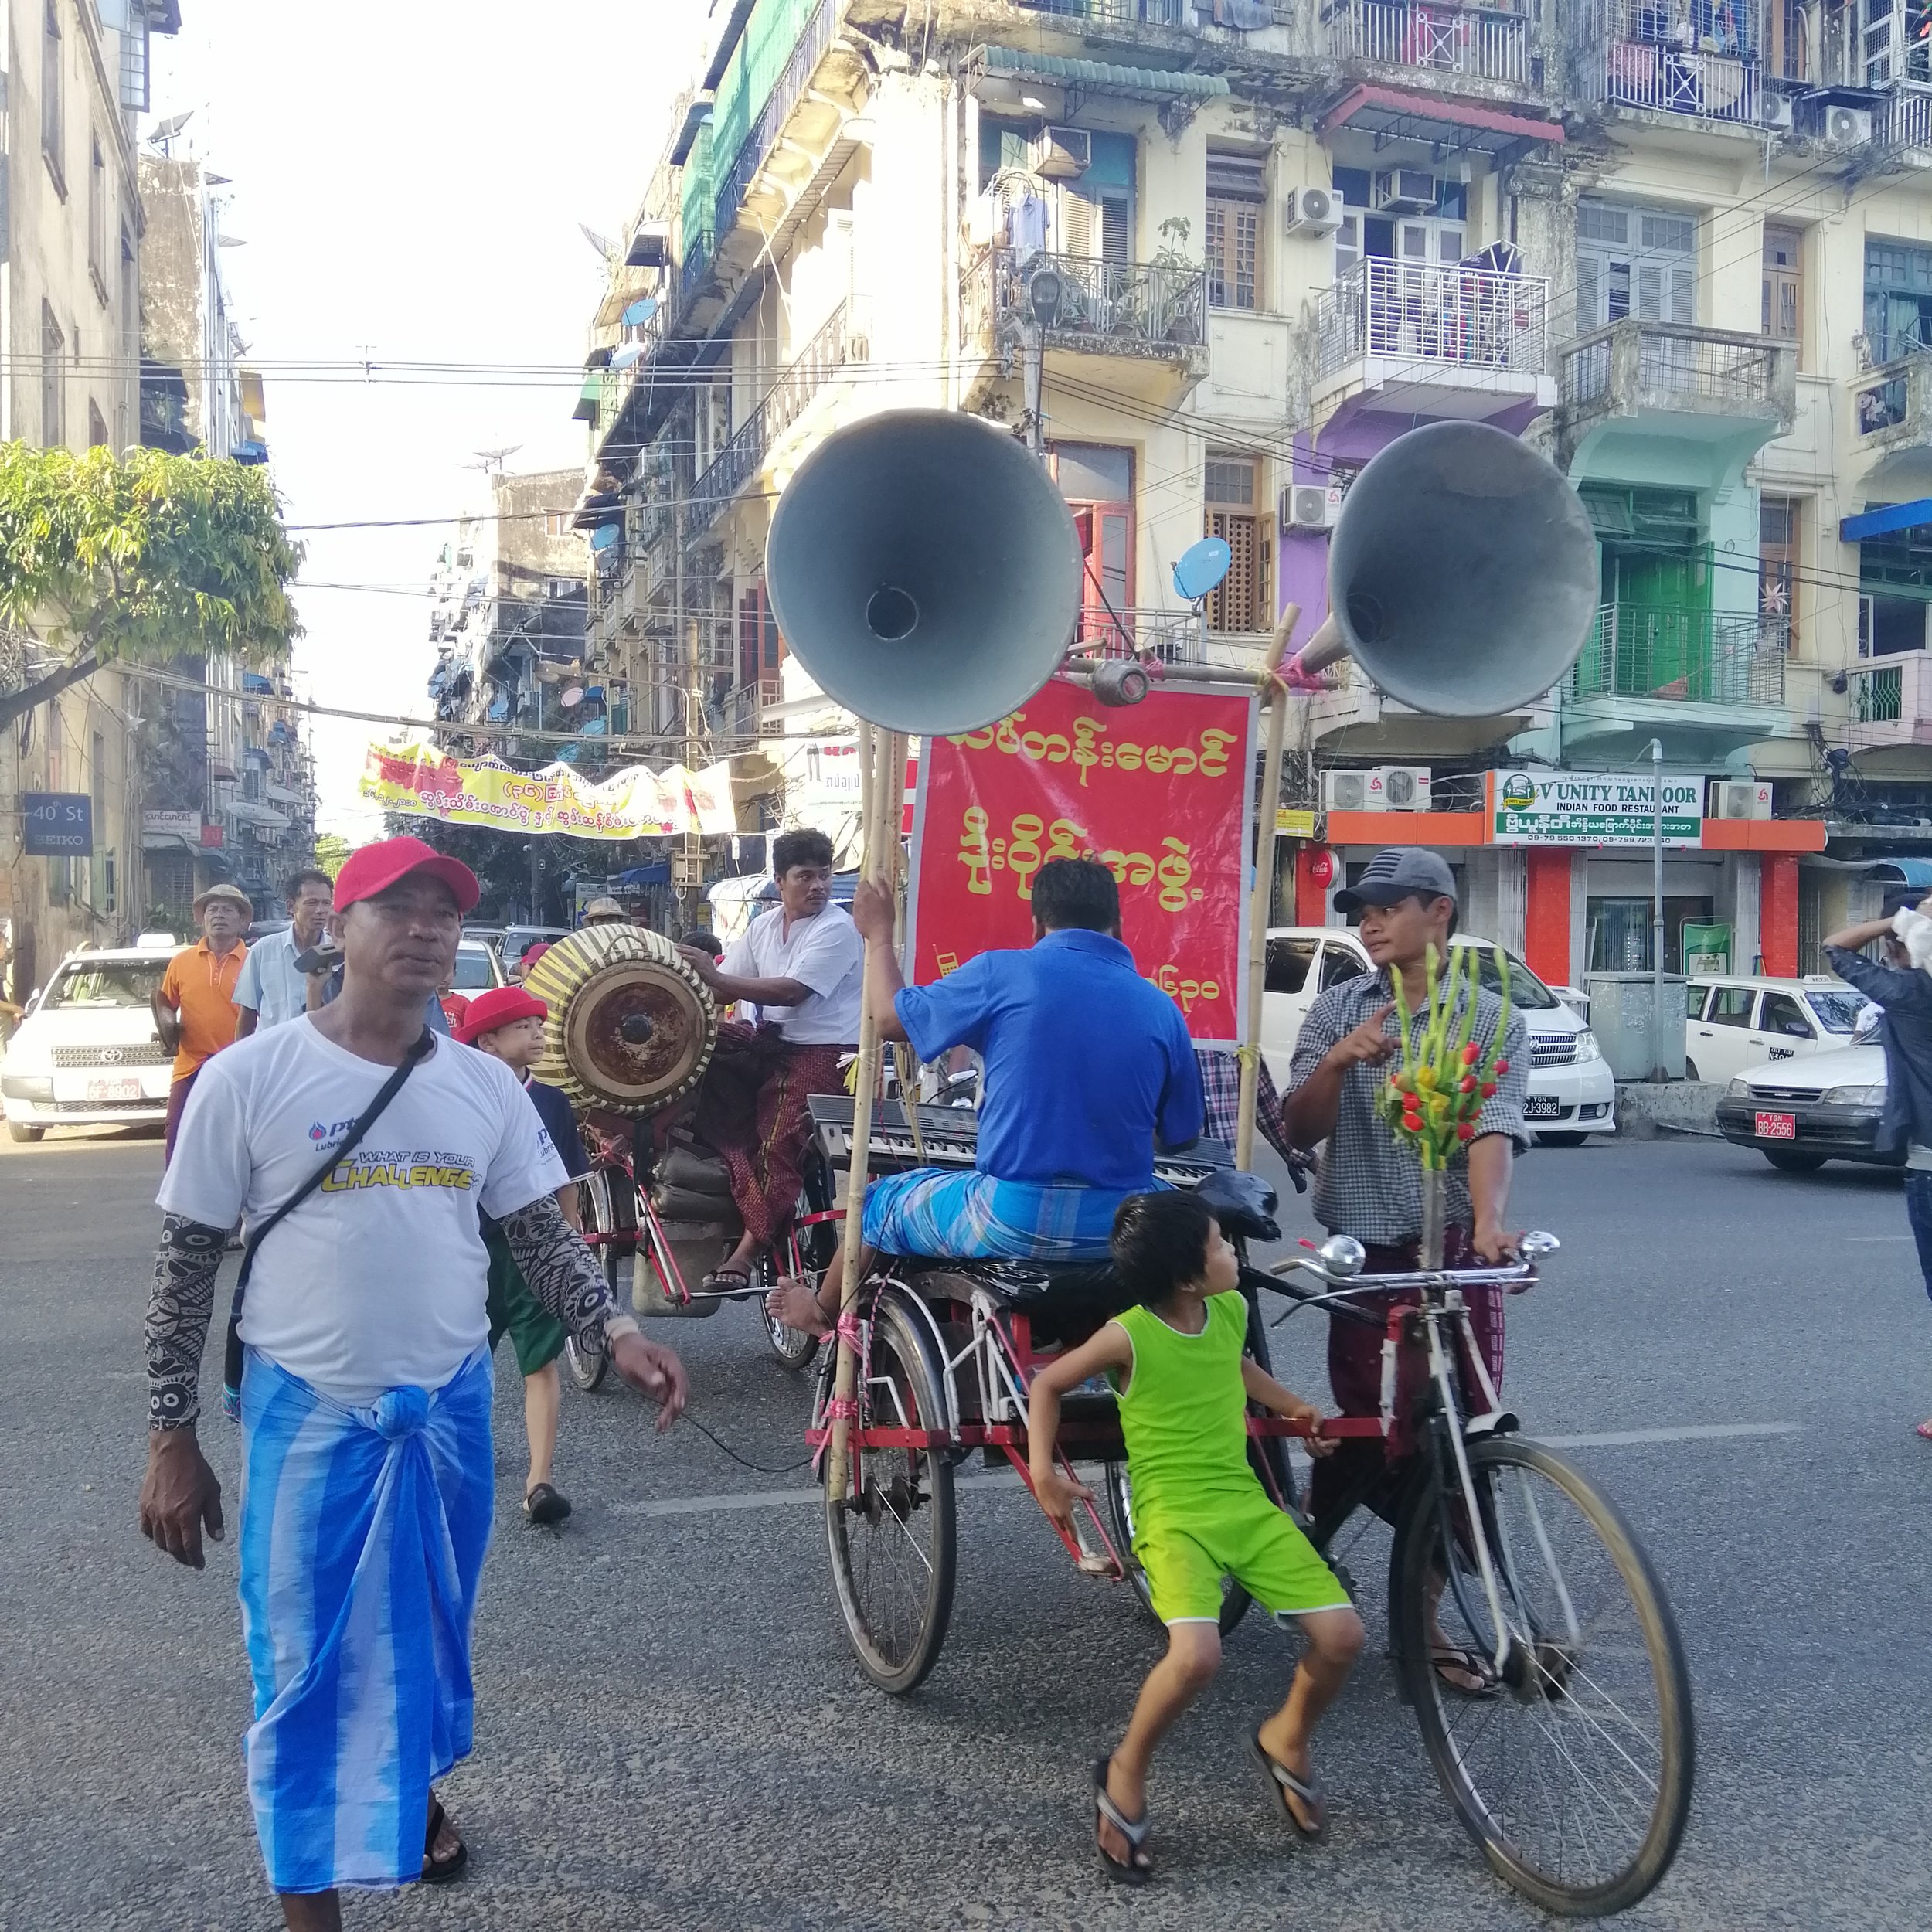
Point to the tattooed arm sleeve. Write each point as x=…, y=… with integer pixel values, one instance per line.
x=178, y=1307
x=562, y=1273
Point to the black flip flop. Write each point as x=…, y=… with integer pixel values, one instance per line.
x=433, y=1873
x=545, y=1504
x=1139, y=1867
x=1282, y=1782
x=1448, y=1657
x=727, y=1281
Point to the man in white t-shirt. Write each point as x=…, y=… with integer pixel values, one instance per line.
x=365, y=1404
x=797, y=969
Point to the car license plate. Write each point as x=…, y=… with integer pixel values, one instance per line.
x=1777, y=1127
x=1542, y=1107
x=126, y=1089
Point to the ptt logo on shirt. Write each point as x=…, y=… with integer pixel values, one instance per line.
x=378, y=1170
x=318, y=1133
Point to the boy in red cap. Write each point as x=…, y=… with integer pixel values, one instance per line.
x=507, y=1023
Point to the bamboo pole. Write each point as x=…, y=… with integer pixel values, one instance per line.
x=1262, y=900
x=882, y=780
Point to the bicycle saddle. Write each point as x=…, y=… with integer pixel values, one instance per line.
x=1244, y=1204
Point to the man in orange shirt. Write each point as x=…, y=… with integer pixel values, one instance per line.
x=195, y=1005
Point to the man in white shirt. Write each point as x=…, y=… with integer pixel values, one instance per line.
x=270, y=990
x=798, y=969
x=365, y=1404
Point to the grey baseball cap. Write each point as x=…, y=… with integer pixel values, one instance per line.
x=1401, y=872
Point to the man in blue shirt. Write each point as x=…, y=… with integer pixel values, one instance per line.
x=270, y=991
x=1086, y=1065
x=1903, y=993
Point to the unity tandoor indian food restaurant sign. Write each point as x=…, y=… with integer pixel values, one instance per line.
x=1533, y=807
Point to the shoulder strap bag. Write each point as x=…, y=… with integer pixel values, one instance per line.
x=232, y=1357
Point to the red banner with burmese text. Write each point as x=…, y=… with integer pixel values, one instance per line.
x=1160, y=791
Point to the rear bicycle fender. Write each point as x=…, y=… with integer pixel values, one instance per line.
x=924, y=1326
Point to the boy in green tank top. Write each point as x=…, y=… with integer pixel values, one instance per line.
x=1200, y=1513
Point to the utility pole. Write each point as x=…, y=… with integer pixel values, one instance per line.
x=1657, y=1068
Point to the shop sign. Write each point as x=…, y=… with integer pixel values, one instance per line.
x=1536, y=807
x=1291, y=824
x=172, y=825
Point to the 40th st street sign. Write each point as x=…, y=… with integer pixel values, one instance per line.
x=1533, y=807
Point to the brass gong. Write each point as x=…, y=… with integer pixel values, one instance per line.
x=631, y=1026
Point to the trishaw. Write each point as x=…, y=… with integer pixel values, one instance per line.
x=1573, y=1773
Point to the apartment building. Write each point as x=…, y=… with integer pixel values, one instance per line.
x=227, y=781
x=1681, y=245
x=75, y=82
x=507, y=617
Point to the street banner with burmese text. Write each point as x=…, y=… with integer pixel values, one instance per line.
x=1161, y=792
x=424, y=780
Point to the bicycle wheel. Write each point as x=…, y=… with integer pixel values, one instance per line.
x=807, y=1252
x=587, y=1366
x=1574, y=1775
x=891, y=1532
x=1120, y=1509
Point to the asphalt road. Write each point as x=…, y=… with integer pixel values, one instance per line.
x=671, y=1731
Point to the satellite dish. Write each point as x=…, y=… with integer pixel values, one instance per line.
x=641, y=311
x=167, y=130
x=571, y=697
x=1201, y=567
x=623, y=357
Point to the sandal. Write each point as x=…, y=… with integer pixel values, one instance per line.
x=442, y=1872
x=1138, y=1868
x=723, y=1281
x=1925, y=1429
x=1445, y=1657
x=547, y=1504
x=1284, y=1783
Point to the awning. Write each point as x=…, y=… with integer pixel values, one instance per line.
x=657, y=875
x=695, y=118
x=596, y=508
x=1394, y=115
x=1096, y=77
x=1895, y=516
x=590, y=399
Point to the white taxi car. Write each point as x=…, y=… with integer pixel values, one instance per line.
x=1738, y=1021
x=1572, y=1090
x=86, y=1054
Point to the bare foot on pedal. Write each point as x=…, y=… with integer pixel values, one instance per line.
x=794, y=1304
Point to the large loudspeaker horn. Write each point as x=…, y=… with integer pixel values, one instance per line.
x=1463, y=575
x=925, y=571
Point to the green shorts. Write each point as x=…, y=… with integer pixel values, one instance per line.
x=535, y=1333
x=1241, y=1536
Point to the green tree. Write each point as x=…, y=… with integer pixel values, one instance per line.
x=144, y=558
x=331, y=851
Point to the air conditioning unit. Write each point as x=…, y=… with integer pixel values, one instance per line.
x=1310, y=506
x=1313, y=211
x=1061, y=153
x=1346, y=791
x=1775, y=110
x=1402, y=787
x=1404, y=191
x=1848, y=127
x=1384, y=788
x=1740, y=798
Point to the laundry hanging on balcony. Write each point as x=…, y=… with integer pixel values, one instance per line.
x=1245, y=16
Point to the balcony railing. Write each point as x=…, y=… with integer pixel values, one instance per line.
x=1904, y=117
x=1650, y=56
x=764, y=131
x=1693, y=657
x=835, y=346
x=1126, y=308
x=1126, y=13
x=1128, y=630
x=1488, y=43
x=1471, y=317
x=1633, y=360
x=1878, y=693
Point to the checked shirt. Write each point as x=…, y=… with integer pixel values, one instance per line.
x=1368, y=1184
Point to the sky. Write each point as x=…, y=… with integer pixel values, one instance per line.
x=407, y=182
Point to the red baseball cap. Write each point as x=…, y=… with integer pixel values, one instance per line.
x=374, y=869
x=532, y=953
x=497, y=1008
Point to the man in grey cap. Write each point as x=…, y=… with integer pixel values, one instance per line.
x=1368, y=1184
